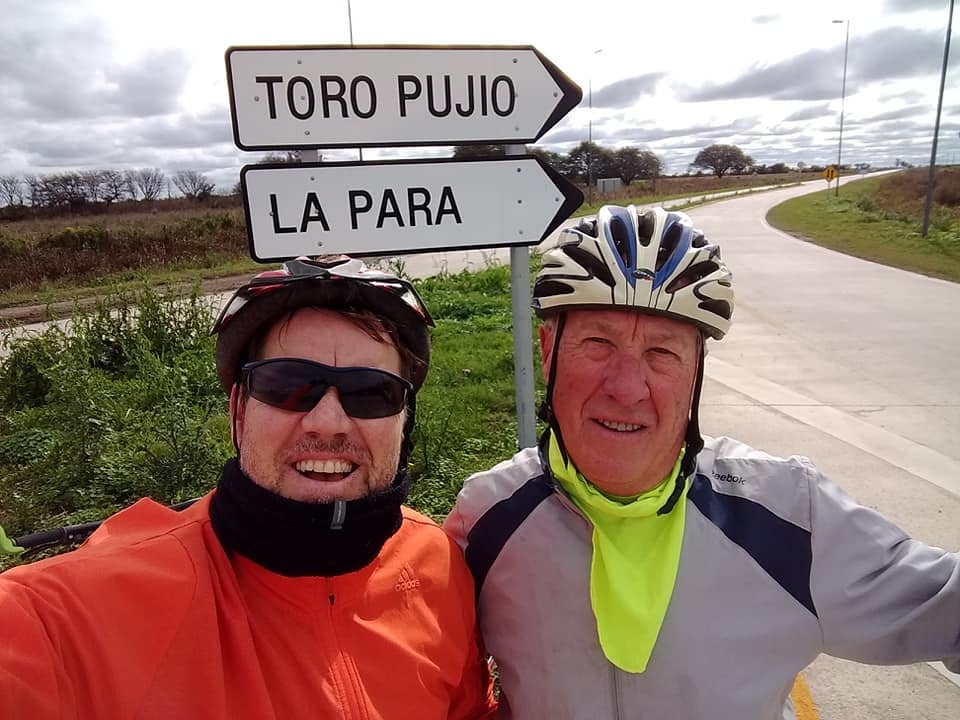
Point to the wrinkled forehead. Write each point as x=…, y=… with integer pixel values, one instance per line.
x=630, y=323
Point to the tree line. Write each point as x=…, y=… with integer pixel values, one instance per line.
x=583, y=165
x=589, y=161
x=75, y=190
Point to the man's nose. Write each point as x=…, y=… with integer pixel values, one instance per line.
x=327, y=416
x=626, y=380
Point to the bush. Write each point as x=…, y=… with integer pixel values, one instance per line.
x=126, y=405
x=947, y=190
x=84, y=237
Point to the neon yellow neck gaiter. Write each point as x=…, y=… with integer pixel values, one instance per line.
x=636, y=554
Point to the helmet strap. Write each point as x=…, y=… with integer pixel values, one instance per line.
x=236, y=393
x=545, y=411
x=693, y=439
x=406, y=443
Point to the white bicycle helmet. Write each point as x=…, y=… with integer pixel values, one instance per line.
x=653, y=261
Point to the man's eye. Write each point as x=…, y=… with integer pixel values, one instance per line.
x=664, y=352
x=598, y=340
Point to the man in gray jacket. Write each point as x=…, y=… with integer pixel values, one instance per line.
x=627, y=568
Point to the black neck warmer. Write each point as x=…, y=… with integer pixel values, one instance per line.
x=295, y=538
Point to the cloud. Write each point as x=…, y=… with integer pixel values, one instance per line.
x=909, y=96
x=814, y=112
x=563, y=135
x=888, y=54
x=764, y=19
x=696, y=134
x=908, y=6
x=65, y=71
x=625, y=93
x=183, y=131
x=911, y=111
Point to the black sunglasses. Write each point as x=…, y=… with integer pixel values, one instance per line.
x=297, y=384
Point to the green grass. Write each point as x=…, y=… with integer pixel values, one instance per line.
x=858, y=224
x=184, y=275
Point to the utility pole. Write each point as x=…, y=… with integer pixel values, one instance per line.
x=843, y=97
x=936, y=127
x=590, y=131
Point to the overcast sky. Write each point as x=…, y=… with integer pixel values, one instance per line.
x=103, y=84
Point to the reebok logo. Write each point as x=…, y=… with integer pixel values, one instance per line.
x=406, y=581
x=727, y=477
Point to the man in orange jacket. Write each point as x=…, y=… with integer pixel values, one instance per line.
x=301, y=586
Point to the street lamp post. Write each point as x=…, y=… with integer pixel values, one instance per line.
x=590, y=129
x=843, y=97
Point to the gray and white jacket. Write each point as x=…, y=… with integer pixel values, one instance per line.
x=777, y=565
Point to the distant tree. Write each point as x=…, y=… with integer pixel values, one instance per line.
x=149, y=181
x=59, y=190
x=631, y=163
x=11, y=190
x=722, y=159
x=554, y=160
x=193, y=184
x=289, y=157
x=130, y=184
x=32, y=182
x=114, y=186
x=466, y=152
x=589, y=159
x=92, y=181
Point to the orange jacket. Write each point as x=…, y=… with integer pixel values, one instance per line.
x=151, y=619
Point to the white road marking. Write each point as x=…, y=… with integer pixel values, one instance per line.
x=924, y=462
x=942, y=669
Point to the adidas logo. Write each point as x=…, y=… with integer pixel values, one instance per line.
x=406, y=581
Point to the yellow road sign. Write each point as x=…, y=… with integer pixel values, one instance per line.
x=830, y=173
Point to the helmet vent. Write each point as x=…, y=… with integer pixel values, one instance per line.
x=549, y=288
x=692, y=274
x=588, y=227
x=718, y=307
x=621, y=239
x=645, y=224
x=671, y=239
x=593, y=265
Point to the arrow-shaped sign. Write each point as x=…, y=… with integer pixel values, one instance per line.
x=402, y=206
x=335, y=96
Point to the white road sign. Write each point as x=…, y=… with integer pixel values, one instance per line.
x=335, y=96
x=406, y=206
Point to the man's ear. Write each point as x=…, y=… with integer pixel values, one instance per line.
x=545, y=332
